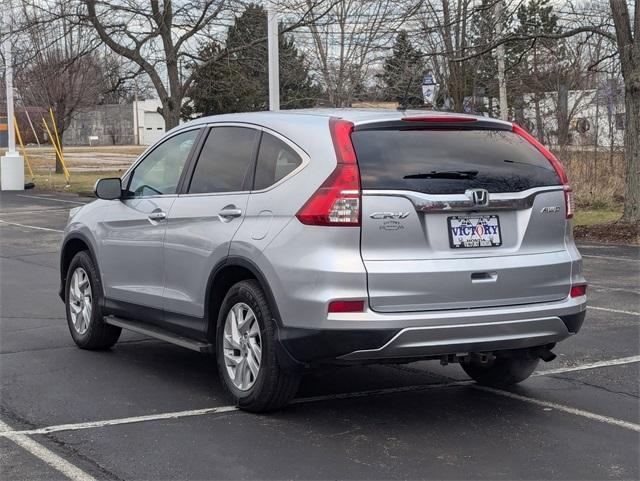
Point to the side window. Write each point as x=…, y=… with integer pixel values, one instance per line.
x=159, y=172
x=276, y=160
x=225, y=161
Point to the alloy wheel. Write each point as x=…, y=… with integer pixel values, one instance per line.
x=242, y=346
x=80, y=300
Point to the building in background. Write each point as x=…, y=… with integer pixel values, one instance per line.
x=119, y=124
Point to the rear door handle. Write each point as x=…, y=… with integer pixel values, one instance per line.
x=478, y=277
x=158, y=216
x=229, y=213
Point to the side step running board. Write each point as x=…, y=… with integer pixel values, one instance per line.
x=161, y=334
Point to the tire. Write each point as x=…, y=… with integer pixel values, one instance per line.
x=505, y=369
x=269, y=387
x=87, y=326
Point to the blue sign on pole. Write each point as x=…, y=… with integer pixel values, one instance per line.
x=429, y=89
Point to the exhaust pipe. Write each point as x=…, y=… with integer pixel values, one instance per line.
x=545, y=354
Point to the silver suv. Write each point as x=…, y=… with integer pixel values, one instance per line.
x=285, y=241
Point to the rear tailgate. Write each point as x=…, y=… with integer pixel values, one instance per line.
x=428, y=243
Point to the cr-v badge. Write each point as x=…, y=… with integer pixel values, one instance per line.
x=389, y=215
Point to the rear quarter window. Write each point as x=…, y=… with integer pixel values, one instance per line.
x=450, y=161
x=276, y=160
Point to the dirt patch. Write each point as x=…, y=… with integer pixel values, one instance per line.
x=609, y=232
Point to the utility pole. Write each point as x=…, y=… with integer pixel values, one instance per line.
x=274, y=61
x=11, y=164
x=502, y=81
x=136, y=128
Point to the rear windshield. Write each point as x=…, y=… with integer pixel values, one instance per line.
x=450, y=161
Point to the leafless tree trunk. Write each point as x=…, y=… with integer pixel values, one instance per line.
x=628, y=41
x=157, y=35
x=58, y=68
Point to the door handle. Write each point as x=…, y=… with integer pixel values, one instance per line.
x=157, y=216
x=479, y=277
x=229, y=213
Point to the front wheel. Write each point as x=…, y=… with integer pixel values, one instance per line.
x=505, y=369
x=83, y=299
x=246, y=351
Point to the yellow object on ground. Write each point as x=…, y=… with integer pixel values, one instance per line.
x=24, y=151
x=58, y=150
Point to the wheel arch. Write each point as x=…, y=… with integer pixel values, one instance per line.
x=230, y=271
x=73, y=244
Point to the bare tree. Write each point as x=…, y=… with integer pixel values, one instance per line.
x=57, y=67
x=350, y=40
x=450, y=25
x=628, y=42
x=616, y=25
x=159, y=36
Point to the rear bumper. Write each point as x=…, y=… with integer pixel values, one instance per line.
x=433, y=334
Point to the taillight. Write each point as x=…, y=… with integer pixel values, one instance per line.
x=346, y=306
x=578, y=290
x=337, y=200
x=568, y=200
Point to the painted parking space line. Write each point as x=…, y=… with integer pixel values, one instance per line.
x=52, y=199
x=49, y=457
x=115, y=422
x=613, y=258
x=600, y=287
x=26, y=226
x=11, y=434
x=562, y=408
x=592, y=365
x=617, y=311
x=35, y=211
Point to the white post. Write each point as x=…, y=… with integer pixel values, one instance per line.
x=11, y=164
x=274, y=61
x=502, y=81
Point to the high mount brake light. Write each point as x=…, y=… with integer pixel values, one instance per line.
x=555, y=163
x=337, y=201
x=441, y=119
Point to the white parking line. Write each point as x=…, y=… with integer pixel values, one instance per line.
x=114, y=422
x=592, y=365
x=599, y=287
x=29, y=226
x=562, y=408
x=614, y=258
x=49, y=198
x=35, y=211
x=618, y=311
x=8, y=433
x=49, y=457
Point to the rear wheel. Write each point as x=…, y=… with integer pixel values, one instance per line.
x=504, y=370
x=246, y=351
x=83, y=296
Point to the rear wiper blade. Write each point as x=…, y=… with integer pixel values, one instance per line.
x=444, y=174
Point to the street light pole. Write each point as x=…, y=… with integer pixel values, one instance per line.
x=11, y=164
x=274, y=61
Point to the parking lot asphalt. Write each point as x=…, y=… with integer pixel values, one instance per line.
x=151, y=410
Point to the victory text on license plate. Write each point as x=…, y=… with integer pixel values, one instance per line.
x=477, y=231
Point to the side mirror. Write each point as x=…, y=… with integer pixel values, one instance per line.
x=108, y=189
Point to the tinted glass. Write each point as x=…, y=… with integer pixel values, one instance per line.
x=276, y=160
x=450, y=161
x=160, y=171
x=223, y=165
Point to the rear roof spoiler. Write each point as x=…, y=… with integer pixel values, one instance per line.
x=435, y=122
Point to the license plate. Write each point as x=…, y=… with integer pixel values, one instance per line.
x=476, y=231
